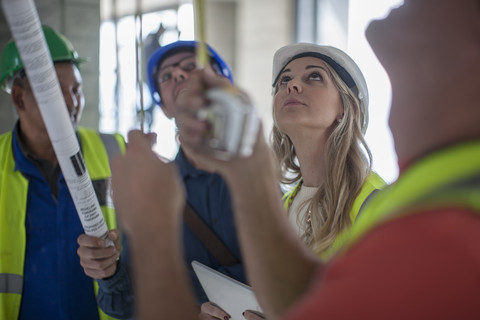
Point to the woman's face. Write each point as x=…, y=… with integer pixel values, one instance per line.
x=306, y=97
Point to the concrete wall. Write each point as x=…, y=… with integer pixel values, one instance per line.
x=79, y=20
x=221, y=23
x=332, y=28
x=263, y=27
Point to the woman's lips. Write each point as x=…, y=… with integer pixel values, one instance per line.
x=291, y=102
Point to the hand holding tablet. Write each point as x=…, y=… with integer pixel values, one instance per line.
x=231, y=295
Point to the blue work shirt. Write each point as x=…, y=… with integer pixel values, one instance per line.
x=207, y=193
x=55, y=285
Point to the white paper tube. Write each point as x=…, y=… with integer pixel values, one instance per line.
x=24, y=23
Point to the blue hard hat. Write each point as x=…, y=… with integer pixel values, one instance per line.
x=179, y=46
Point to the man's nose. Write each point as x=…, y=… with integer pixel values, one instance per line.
x=179, y=74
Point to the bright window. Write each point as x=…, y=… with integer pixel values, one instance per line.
x=378, y=136
x=119, y=98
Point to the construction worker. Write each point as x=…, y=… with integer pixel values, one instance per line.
x=415, y=251
x=168, y=70
x=41, y=276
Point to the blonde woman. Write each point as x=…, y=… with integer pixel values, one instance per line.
x=320, y=118
x=320, y=110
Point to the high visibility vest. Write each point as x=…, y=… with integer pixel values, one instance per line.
x=96, y=149
x=449, y=178
x=372, y=183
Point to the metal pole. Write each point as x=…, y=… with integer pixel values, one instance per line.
x=138, y=64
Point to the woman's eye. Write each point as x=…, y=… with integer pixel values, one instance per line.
x=316, y=76
x=284, y=80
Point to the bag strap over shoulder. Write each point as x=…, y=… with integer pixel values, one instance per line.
x=203, y=232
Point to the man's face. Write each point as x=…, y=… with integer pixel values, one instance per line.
x=171, y=79
x=70, y=82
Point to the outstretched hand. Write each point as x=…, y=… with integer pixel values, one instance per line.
x=193, y=131
x=191, y=100
x=147, y=192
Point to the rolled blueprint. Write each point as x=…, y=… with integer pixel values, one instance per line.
x=24, y=23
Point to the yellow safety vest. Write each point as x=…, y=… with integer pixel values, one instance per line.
x=447, y=178
x=96, y=149
x=372, y=183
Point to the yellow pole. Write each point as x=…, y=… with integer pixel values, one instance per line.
x=201, y=51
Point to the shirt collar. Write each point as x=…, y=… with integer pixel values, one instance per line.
x=185, y=168
x=23, y=155
x=21, y=146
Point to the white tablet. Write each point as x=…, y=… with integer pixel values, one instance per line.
x=231, y=295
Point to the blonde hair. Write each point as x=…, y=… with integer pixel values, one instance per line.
x=347, y=167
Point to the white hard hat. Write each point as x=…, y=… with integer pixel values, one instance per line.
x=346, y=68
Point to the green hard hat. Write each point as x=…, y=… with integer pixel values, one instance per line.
x=61, y=49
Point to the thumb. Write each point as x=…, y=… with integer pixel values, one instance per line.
x=139, y=139
x=113, y=235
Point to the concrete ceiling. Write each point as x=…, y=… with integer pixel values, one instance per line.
x=129, y=7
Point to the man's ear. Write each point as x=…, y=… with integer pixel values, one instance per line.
x=17, y=97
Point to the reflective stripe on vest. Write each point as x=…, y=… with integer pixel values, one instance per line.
x=13, y=202
x=11, y=283
x=447, y=178
x=112, y=144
